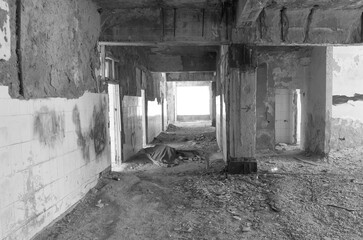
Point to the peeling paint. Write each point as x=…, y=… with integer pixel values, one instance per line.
x=5, y=46
x=341, y=99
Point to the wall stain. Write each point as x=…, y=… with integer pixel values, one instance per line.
x=341, y=99
x=3, y=19
x=96, y=133
x=49, y=126
x=99, y=129
x=83, y=139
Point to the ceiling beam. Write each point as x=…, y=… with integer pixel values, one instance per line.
x=191, y=76
x=169, y=26
x=203, y=62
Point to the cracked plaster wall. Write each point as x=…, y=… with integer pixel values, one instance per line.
x=284, y=68
x=58, y=48
x=56, y=59
x=347, y=112
x=51, y=150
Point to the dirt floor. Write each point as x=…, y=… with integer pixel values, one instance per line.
x=292, y=196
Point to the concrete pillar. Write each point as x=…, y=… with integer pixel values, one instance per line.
x=213, y=104
x=317, y=120
x=171, y=101
x=265, y=138
x=241, y=111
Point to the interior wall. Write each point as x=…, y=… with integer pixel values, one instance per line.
x=155, y=108
x=347, y=110
x=8, y=64
x=51, y=150
x=171, y=102
x=154, y=118
x=48, y=65
x=278, y=68
x=264, y=124
x=51, y=153
x=134, y=76
x=59, y=58
x=132, y=125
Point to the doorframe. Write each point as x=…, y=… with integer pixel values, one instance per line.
x=291, y=116
x=114, y=110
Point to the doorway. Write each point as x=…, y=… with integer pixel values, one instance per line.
x=115, y=125
x=284, y=117
x=193, y=103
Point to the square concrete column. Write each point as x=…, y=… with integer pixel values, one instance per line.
x=241, y=110
x=213, y=90
x=319, y=102
x=242, y=114
x=171, y=102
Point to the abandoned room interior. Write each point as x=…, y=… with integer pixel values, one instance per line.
x=181, y=119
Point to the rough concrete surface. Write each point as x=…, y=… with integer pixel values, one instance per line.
x=9, y=69
x=282, y=68
x=58, y=58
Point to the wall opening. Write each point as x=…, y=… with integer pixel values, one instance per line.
x=287, y=118
x=298, y=117
x=193, y=103
x=115, y=125
x=144, y=118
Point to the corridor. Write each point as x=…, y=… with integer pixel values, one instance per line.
x=287, y=199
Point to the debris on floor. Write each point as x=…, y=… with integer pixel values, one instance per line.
x=161, y=155
x=297, y=201
x=172, y=128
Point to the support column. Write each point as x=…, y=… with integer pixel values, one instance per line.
x=171, y=102
x=213, y=104
x=317, y=123
x=241, y=111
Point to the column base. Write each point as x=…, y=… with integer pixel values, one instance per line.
x=242, y=166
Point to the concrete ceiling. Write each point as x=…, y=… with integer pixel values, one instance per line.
x=182, y=50
x=324, y=4
x=124, y=4
x=182, y=58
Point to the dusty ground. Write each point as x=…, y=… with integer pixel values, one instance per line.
x=287, y=199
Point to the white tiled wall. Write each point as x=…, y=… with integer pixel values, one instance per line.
x=40, y=181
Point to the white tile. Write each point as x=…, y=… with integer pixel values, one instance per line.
x=6, y=219
x=4, y=92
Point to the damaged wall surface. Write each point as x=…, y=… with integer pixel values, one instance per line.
x=9, y=63
x=279, y=68
x=155, y=108
x=58, y=58
x=133, y=77
x=52, y=150
x=298, y=21
x=52, y=162
x=347, y=112
x=177, y=24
